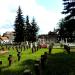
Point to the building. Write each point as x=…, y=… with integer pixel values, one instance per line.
x=45, y=39
x=52, y=36
x=10, y=36
x=4, y=40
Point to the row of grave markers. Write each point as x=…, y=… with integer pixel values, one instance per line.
x=33, y=49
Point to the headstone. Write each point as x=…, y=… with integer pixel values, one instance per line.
x=37, y=69
x=67, y=48
x=0, y=62
x=50, y=48
x=16, y=48
x=24, y=47
x=33, y=48
x=27, y=44
x=6, y=46
x=3, y=49
x=37, y=48
x=27, y=72
x=66, y=40
x=10, y=59
x=45, y=56
x=42, y=62
x=13, y=47
x=21, y=48
x=31, y=45
x=19, y=56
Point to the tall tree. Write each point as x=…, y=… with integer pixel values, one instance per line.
x=34, y=30
x=19, y=27
x=69, y=8
x=28, y=29
x=61, y=29
x=64, y=31
x=69, y=24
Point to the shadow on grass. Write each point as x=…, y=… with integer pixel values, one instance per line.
x=60, y=64
x=27, y=64
x=56, y=64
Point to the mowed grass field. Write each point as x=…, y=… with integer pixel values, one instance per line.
x=58, y=62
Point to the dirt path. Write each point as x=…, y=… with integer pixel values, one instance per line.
x=2, y=52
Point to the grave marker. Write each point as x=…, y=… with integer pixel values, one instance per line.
x=10, y=59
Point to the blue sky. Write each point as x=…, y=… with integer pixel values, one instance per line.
x=46, y=12
x=54, y=5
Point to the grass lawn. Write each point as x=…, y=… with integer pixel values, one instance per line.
x=59, y=62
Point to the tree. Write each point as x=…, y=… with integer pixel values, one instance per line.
x=66, y=29
x=69, y=24
x=69, y=8
x=19, y=27
x=34, y=30
x=61, y=29
x=28, y=29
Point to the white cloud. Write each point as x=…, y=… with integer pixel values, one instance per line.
x=46, y=19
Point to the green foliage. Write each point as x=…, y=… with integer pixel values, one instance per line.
x=28, y=29
x=62, y=29
x=34, y=30
x=67, y=25
x=24, y=31
x=66, y=29
x=31, y=30
x=57, y=63
x=19, y=27
x=69, y=8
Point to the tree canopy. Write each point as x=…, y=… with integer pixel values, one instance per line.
x=24, y=30
x=67, y=25
x=69, y=9
x=19, y=27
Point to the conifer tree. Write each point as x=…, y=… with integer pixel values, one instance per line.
x=19, y=27
x=69, y=20
x=69, y=9
x=28, y=29
x=34, y=30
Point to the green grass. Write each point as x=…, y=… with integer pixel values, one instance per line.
x=55, y=62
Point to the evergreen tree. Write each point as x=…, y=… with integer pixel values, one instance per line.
x=61, y=29
x=69, y=24
x=28, y=29
x=69, y=8
x=19, y=27
x=34, y=30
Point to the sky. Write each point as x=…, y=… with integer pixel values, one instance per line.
x=47, y=13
